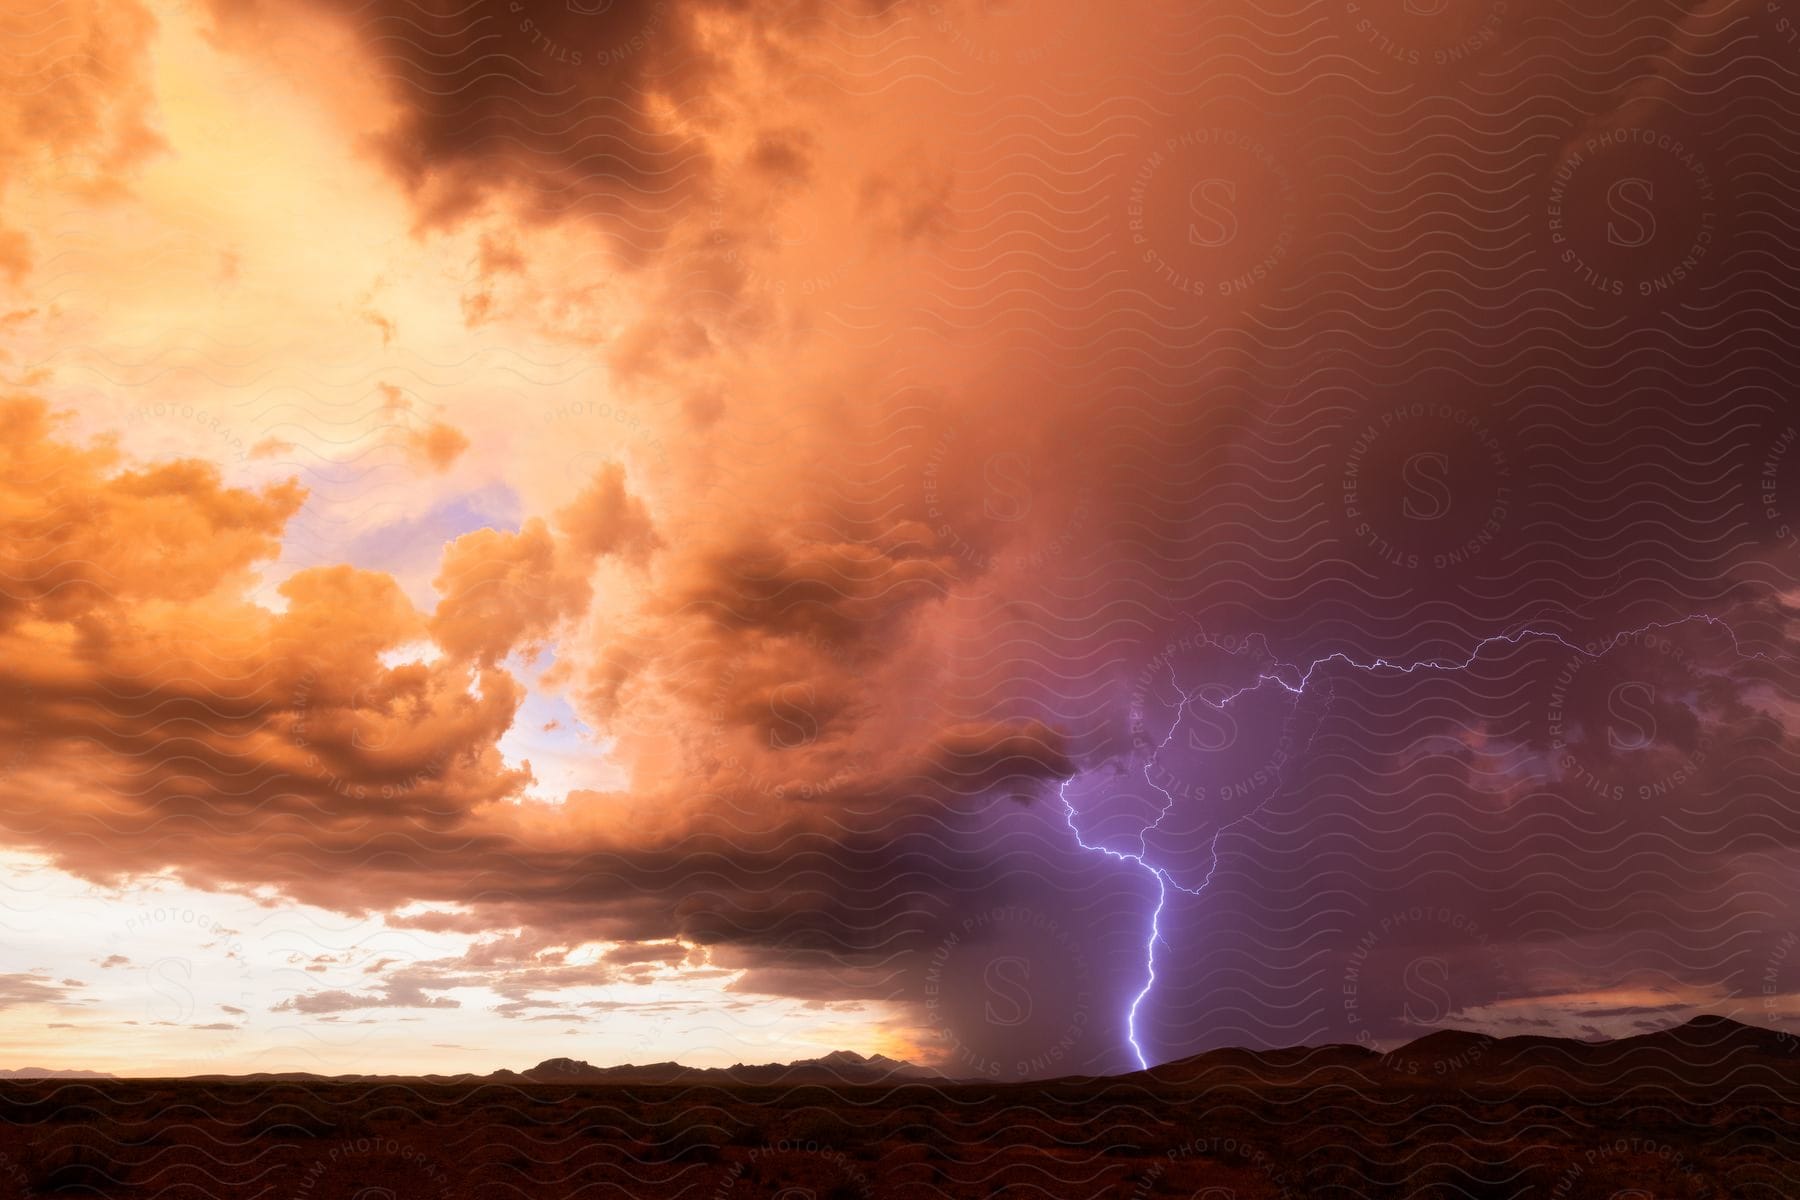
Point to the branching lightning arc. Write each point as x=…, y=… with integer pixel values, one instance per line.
x=1296, y=681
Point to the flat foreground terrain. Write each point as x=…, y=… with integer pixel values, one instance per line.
x=1222, y=1133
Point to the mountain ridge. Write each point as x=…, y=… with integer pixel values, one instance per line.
x=1703, y=1048
x=839, y=1066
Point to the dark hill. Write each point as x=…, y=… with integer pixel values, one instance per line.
x=1706, y=1051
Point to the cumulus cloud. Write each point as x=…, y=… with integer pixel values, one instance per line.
x=319, y=754
x=77, y=81
x=999, y=417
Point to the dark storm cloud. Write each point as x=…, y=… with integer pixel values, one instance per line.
x=1372, y=335
x=543, y=104
x=297, y=749
x=1484, y=363
x=589, y=109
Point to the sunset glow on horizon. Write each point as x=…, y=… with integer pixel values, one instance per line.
x=1026, y=539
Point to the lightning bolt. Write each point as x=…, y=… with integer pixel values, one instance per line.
x=1301, y=680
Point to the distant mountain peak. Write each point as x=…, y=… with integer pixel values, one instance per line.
x=1713, y=1021
x=568, y=1065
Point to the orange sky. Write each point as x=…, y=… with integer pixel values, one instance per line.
x=246, y=348
x=608, y=526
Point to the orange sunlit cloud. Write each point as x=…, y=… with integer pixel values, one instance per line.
x=698, y=508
